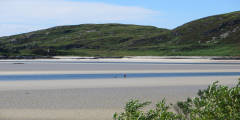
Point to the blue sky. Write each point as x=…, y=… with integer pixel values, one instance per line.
x=21, y=16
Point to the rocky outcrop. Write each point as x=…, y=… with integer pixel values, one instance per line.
x=13, y=40
x=176, y=33
x=66, y=31
x=91, y=31
x=224, y=34
x=220, y=26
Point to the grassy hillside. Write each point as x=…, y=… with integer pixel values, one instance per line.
x=211, y=36
x=214, y=35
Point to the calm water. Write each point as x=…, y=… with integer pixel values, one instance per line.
x=108, y=76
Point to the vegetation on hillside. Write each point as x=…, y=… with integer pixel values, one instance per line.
x=214, y=103
x=217, y=35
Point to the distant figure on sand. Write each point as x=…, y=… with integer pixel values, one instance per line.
x=125, y=76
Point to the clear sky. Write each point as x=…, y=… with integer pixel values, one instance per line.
x=21, y=16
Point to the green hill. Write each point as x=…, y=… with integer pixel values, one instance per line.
x=211, y=36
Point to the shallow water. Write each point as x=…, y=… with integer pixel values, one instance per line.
x=109, y=76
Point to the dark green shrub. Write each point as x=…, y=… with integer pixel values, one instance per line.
x=50, y=52
x=214, y=103
x=14, y=51
x=40, y=52
x=132, y=112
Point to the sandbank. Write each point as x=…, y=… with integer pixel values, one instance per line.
x=113, y=83
x=112, y=72
x=131, y=60
x=108, y=66
x=96, y=98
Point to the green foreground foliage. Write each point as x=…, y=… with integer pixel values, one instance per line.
x=214, y=103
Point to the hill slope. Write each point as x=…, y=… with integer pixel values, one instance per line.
x=211, y=36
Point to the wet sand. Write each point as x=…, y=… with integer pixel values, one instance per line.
x=99, y=98
x=116, y=66
x=93, y=99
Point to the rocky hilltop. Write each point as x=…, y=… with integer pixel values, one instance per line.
x=217, y=35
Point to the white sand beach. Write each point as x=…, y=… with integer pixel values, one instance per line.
x=98, y=99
